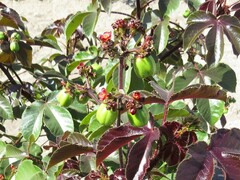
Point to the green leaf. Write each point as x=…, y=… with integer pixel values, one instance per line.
x=161, y=35
x=24, y=55
x=151, y=19
x=14, y=152
x=211, y=110
x=89, y=23
x=2, y=149
x=172, y=114
x=73, y=22
x=107, y=5
x=6, y=111
x=86, y=120
x=98, y=132
x=194, y=3
x=215, y=44
x=198, y=22
x=231, y=27
x=183, y=81
x=28, y=171
x=32, y=120
x=58, y=119
x=71, y=149
x=223, y=75
x=166, y=7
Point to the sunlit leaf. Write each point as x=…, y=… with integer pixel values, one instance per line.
x=58, y=119
x=89, y=23
x=27, y=170
x=161, y=35
x=14, y=152
x=73, y=22
x=6, y=110
x=107, y=5
x=32, y=119
x=166, y=7
x=151, y=19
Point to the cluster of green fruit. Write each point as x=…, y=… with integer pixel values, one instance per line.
x=15, y=38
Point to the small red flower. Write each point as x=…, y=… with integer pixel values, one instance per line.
x=136, y=96
x=103, y=94
x=106, y=36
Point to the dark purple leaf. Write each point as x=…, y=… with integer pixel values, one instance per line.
x=24, y=55
x=225, y=147
x=207, y=6
x=235, y=6
x=10, y=18
x=237, y=14
x=66, y=152
x=139, y=156
x=199, y=166
x=116, y=138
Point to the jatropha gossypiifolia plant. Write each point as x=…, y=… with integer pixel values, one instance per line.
x=134, y=102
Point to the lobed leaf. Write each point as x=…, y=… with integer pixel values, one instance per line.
x=114, y=139
x=139, y=156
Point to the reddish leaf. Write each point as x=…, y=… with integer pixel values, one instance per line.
x=225, y=147
x=116, y=138
x=118, y=174
x=199, y=166
x=139, y=156
x=66, y=152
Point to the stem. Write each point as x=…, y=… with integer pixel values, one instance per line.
x=138, y=9
x=90, y=92
x=120, y=13
x=165, y=113
x=120, y=73
x=12, y=81
x=171, y=50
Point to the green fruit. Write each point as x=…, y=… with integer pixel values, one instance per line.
x=105, y=116
x=140, y=118
x=97, y=69
x=14, y=46
x=186, y=13
x=2, y=35
x=64, y=98
x=15, y=36
x=144, y=67
x=83, y=99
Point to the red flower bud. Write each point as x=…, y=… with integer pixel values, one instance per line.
x=133, y=110
x=103, y=94
x=136, y=96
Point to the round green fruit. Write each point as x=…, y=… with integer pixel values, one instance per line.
x=97, y=69
x=105, y=116
x=64, y=98
x=14, y=46
x=15, y=36
x=2, y=36
x=83, y=99
x=144, y=67
x=186, y=13
x=140, y=118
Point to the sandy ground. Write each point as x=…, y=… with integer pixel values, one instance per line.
x=41, y=13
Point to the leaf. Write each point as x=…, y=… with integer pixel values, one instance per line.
x=71, y=149
x=183, y=81
x=9, y=17
x=114, y=139
x=198, y=22
x=27, y=170
x=211, y=110
x=107, y=5
x=79, y=139
x=172, y=114
x=200, y=91
x=58, y=119
x=224, y=149
x=73, y=22
x=24, y=55
x=151, y=19
x=200, y=165
x=231, y=27
x=139, y=156
x=166, y=7
x=215, y=44
x=194, y=3
x=14, y=152
x=32, y=120
x=2, y=149
x=161, y=35
x=6, y=111
x=89, y=23
x=223, y=75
